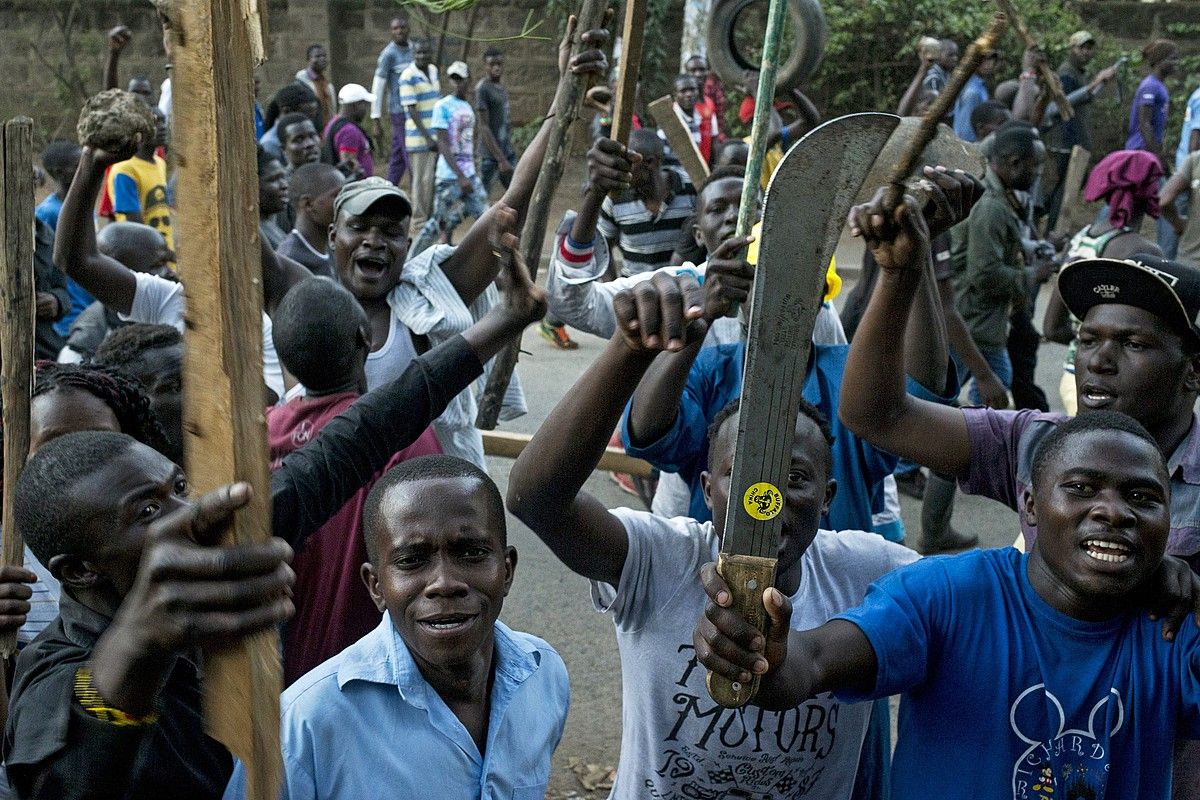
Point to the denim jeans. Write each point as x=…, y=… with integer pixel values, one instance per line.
x=450, y=207
x=489, y=170
x=398, y=157
x=999, y=362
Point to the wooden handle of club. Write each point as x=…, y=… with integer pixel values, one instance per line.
x=927, y=130
x=1049, y=77
x=747, y=578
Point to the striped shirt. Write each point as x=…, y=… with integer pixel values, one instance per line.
x=420, y=90
x=647, y=240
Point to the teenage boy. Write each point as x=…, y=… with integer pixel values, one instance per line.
x=138, y=185
x=393, y=60
x=458, y=190
x=495, y=126
x=346, y=143
x=676, y=742
x=321, y=335
x=311, y=191
x=440, y=693
x=1035, y=675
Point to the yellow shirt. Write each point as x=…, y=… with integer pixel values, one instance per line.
x=138, y=186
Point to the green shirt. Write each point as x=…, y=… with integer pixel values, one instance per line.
x=989, y=265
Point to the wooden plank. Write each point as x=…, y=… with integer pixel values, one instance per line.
x=1072, y=188
x=633, y=35
x=225, y=432
x=505, y=444
x=680, y=139
x=570, y=92
x=16, y=325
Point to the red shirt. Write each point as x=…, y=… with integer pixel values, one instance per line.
x=333, y=608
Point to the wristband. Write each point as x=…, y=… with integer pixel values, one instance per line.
x=96, y=706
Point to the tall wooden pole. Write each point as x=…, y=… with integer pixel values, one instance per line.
x=16, y=325
x=633, y=36
x=216, y=42
x=571, y=89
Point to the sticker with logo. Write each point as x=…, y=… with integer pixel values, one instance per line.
x=763, y=501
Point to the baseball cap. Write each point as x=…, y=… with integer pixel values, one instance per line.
x=1080, y=38
x=356, y=197
x=458, y=70
x=1169, y=290
x=354, y=93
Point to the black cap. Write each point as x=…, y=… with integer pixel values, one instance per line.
x=1169, y=290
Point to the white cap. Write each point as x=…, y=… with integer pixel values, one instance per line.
x=458, y=70
x=354, y=93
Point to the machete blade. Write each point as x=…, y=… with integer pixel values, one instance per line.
x=806, y=205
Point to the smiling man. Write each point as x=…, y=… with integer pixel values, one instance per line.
x=1139, y=353
x=441, y=693
x=1035, y=676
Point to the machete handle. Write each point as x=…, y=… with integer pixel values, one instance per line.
x=747, y=578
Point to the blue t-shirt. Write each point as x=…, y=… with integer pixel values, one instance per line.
x=715, y=381
x=1153, y=93
x=392, y=61
x=457, y=119
x=1006, y=698
x=974, y=92
x=1191, y=121
x=47, y=212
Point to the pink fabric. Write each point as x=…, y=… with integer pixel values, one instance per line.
x=1128, y=181
x=333, y=608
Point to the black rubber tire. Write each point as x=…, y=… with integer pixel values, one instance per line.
x=808, y=20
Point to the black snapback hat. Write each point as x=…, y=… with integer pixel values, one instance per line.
x=1167, y=289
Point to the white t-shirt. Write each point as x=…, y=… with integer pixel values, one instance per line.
x=676, y=741
x=158, y=301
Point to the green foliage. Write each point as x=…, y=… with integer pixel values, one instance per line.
x=872, y=71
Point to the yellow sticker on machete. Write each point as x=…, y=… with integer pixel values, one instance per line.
x=763, y=501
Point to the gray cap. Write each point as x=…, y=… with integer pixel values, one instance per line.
x=356, y=197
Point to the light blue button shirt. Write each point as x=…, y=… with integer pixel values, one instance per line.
x=367, y=724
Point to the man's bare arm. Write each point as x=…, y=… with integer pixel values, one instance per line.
x=75, y=251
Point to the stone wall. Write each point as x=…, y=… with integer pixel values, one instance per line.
x=37, y=34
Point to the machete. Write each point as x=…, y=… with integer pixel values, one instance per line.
x=807, y=201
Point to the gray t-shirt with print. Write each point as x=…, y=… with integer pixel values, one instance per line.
x=676, y=742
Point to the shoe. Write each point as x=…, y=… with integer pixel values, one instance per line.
x=950, y=542
x=557, y=336
x=911, y=483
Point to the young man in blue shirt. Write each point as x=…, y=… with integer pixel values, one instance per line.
x=393, y=60
x=1035, y=676
x=441, y=693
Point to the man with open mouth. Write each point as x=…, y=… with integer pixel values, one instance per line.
x=1036, y=675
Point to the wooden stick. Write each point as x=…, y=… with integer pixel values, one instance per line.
x=16, y=329
x=632, y=37
x=223, y=375
x=679, y=138
x=510, y=445
x=571, y=89
x=1049, y=76
x=764, y=99
x=941, y=106
x=1072, y=187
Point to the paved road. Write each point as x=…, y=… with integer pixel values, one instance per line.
x=551, y=602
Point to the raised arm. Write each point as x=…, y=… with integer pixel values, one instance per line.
x=874, y=403
x=472, y=266
x=545, y=487
x=657, y=402
x=75, y=251
x=316, y=480
x=909, y=99
x=118, y=37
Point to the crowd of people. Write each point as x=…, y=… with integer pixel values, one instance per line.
x=1065, y=666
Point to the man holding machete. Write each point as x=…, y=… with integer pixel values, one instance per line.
x=676, y=740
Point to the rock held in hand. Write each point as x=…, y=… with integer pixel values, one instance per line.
x=115, y=121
